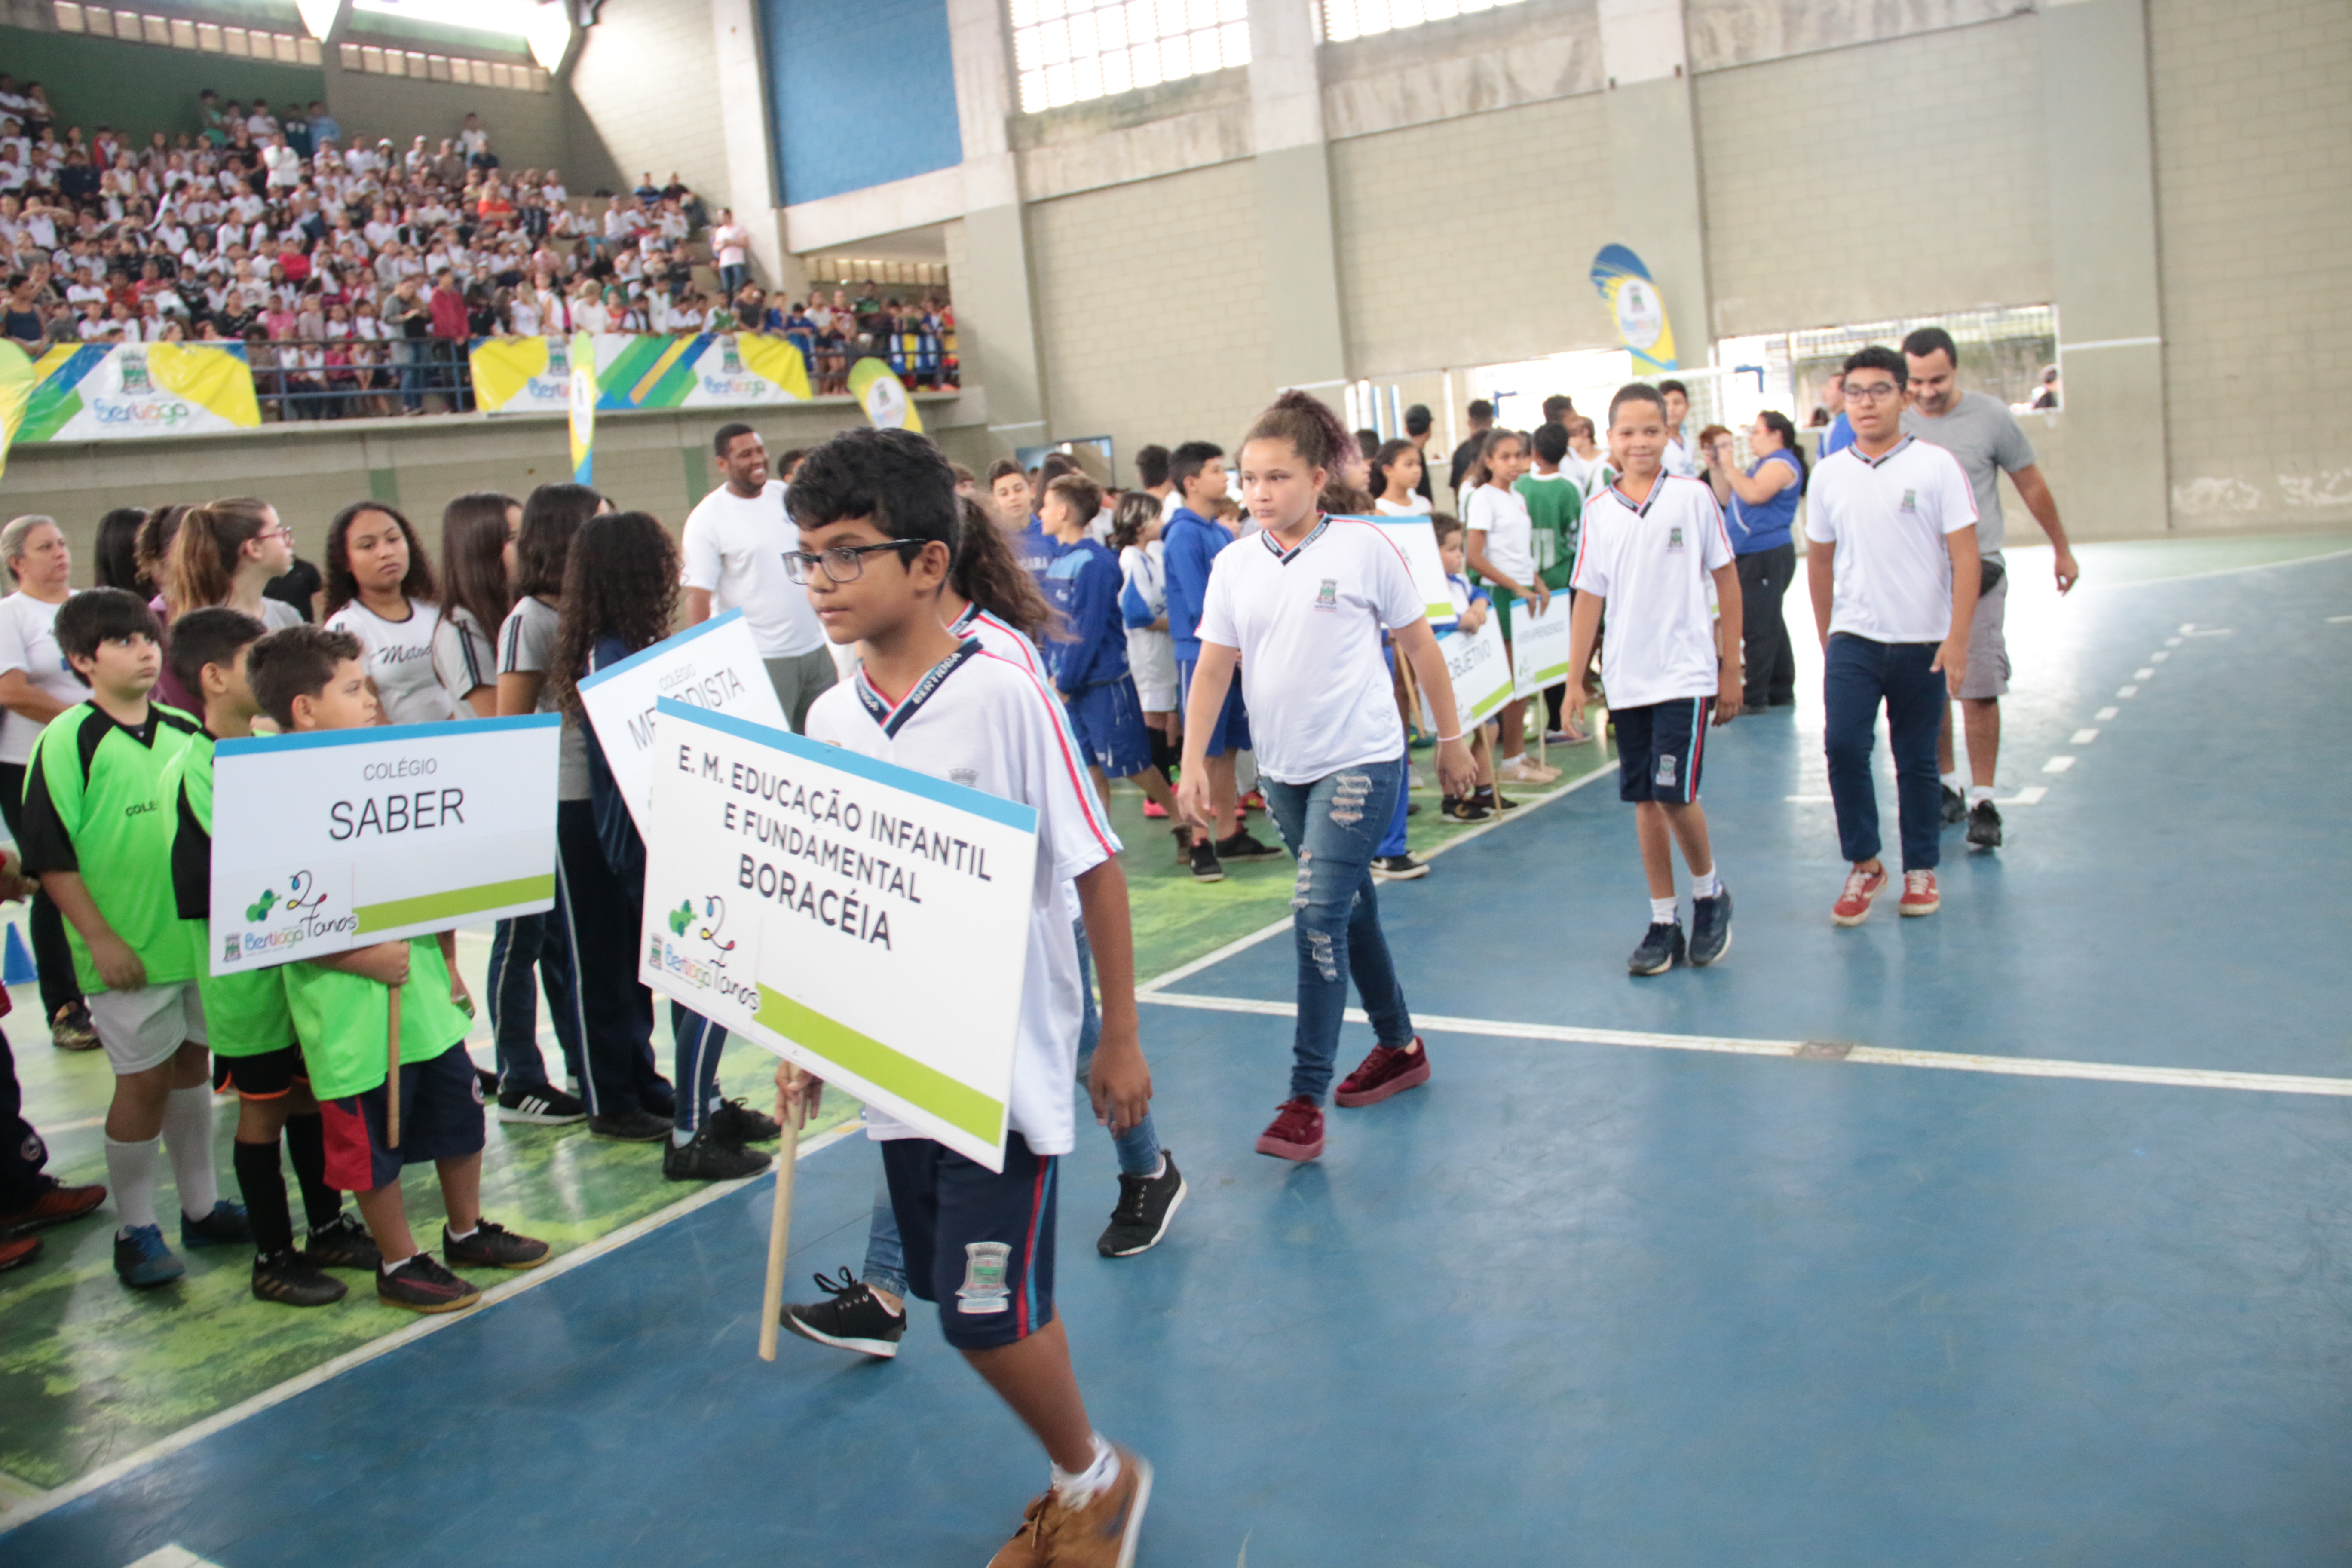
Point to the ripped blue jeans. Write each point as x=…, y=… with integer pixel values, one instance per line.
x=1334, y=826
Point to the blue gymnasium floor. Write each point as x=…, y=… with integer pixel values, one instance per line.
x=1576, y=1302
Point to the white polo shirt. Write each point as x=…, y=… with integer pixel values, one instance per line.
x=1307, y=623
x=984, y=721
x=1001, y=638
x=735, y=548
x=1654, y=565
x=1888, y=519
x=1502, y=517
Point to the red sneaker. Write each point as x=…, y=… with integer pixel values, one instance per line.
x=1296, y=1132
x=57, y=1204
x=1153, y=810
x=1919, y=895
x=1853, y=907
x=1390, y=1069
x=18, y=1249
x=1254, y=801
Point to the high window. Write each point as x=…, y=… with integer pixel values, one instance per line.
x=1069, y=50
x=1358, y=18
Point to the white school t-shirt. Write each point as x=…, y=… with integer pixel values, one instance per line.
x=1887, y=519
x=399, y=661
x=28, y=641
x=1654, y=563
x=735, y=548
x=1001, y=638
x=1412, y=506
x=462, y=657
x=527, y=646
x=1307, y=623
x=989, y=723
x=1510, y=544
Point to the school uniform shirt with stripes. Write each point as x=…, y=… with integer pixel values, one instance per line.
x=990, y=723
x=527, y=646
x=463, y=658
x=400, y=660
x=1654, y=565
x=1307, y=623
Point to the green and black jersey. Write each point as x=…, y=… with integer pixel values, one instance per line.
x=95, y=804
x=344, y=1020
x=246, y=1013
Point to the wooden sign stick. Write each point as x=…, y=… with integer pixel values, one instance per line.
x=780, y=1230
x=392, y=1076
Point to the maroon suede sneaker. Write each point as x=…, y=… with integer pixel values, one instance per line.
x=1390, y=1069
x=1296, y=1132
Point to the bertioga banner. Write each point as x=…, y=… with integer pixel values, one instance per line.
x=707, y=370
x=126, y=391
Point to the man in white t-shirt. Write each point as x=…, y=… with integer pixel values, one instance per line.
x=736, y=541
x=1894, y=573
x=731, y=245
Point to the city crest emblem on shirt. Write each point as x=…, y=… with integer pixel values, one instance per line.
x=1675, y=537
x=1910, y=501
x=1328, y=598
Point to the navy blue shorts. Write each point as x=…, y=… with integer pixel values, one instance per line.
x=979, y=1245
x=1230, y=731
x=267, y=1075
x=1107, y=720
x=1660, y=749
x=440, y=1119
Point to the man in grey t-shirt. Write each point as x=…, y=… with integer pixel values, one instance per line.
x=1984, y=436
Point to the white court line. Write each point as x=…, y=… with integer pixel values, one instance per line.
x=2057, y=764
x=2233, y=571
x=2339, y=620
x=107, y=1474
x=2158, y=656
x=1243, y=944
x=1816, y=1050
x=2103, y=714
x=2082, y=737
x=2127, y=691
x=2146, y=673
x=2172, y=642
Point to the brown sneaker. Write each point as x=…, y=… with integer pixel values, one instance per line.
x=1101, y=1534
x=21, y=1249
x=55, y=1206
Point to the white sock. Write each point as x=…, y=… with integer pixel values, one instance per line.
x=1514, y=760
x=1978, y=792
x=464, y=1234
x=131, y=1171
x=1162, y=1169
x=1078, y=1491
x=1706, y=884
x=1662, y=912
x=679, y=1137
x=188, y=1138
x=396, y=1268
x=1951, y=780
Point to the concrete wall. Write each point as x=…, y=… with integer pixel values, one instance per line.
x=528, y=130
x=1896, y=178
x=1149, y=334
x=643, y=81
x=2254, y=123
x=863, y=92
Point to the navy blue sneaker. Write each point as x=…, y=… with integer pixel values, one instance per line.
x=225, y=1226
x=140, y=1258
x=1710, y=936
x=1660, y=950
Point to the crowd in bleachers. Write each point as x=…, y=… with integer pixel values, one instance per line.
x=355, y=274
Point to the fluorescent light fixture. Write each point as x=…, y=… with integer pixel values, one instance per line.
x=318, y=16
x=511, y=17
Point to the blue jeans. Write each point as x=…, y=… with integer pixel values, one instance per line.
x=527, y=952
x=1859, y=676
x=408, y=356
x=1138, y=1148
x=1334, y=827
x=1394, y=843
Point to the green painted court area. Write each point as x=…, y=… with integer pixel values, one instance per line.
x=91, y=1373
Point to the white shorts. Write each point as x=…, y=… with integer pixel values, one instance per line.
x=142, y=1028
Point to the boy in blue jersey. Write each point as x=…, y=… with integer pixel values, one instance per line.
x=1089, y=661
x=1188, y=546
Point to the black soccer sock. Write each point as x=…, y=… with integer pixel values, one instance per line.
x=306, y=1150
x=263, y=1187
x=1164, y=756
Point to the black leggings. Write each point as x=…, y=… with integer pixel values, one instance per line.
x=51, y=953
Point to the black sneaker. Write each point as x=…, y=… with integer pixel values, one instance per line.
x=540, y=1105
x=1242, y=847
x=225, y=1226
x=1146, y=1205
x=738, y=1123
x=1710, y=936
x=424, y=1285
x=1493, y=800
x=287, y=1278
x=1660, y=950
x=710, y=1157
x=492, y=1246
x=1984, y=825
x=342, y=1243
x=1955, y=806
x=1398, y=868
x=850, y=1317
x=638, y=1126
x=1460, y=808
x=1205, y=868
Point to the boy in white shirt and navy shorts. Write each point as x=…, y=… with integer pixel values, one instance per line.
x=1649, y=545
x=878, y=521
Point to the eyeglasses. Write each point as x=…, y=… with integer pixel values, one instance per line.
x=842, y=563
x=1876, y=392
